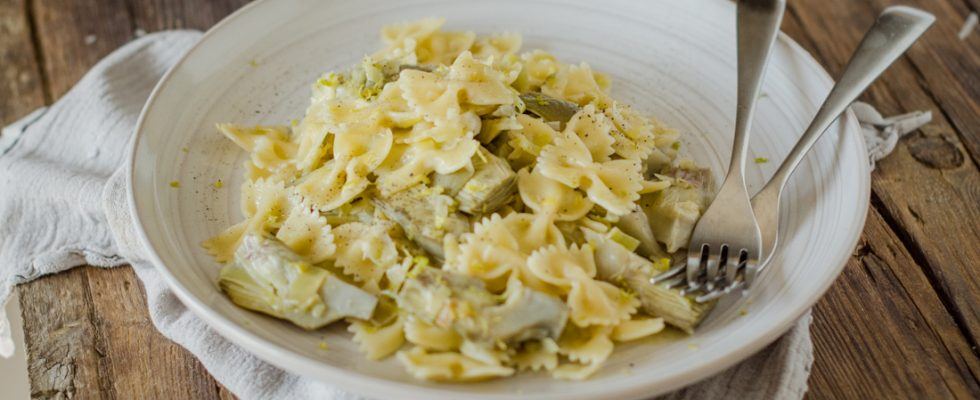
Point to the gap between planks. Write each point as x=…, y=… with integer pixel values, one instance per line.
x=38, y=56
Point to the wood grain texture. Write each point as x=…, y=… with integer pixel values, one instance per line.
x=155, y=15
x=20, y=77
x=882, y=333
x=901, y=322
x=74, y=35
x=89, y=335
x=65, y=349
x=928, y=190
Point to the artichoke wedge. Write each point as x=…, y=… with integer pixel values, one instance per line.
x=453, y=301
x=454, y=182
x=618, y=265
x=492, y=184
x=425, y=215
x=674, y=211
x=268, y=277
x=637, y=225
x=549, y=108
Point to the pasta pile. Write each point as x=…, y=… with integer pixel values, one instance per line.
x=421, y=178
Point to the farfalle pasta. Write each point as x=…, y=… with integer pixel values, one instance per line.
x=467, y=208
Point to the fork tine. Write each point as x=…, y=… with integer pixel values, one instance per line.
x=735, y=264
x=694, y=267
x=714, y=259
x=715, y=263
x=706, y=297
x=698, y=288
x=709, y=296
x=672, y=283
x=670, y=273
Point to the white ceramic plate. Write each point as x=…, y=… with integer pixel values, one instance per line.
x=672, y=59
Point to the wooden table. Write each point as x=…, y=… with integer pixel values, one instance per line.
x=901, y=322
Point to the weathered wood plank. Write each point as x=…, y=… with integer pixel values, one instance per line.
x=928, y=190
x=65, y=352
x=74, y=35
x=881, y=331
x=140, y=360
x=154, y=15
x=20, y=79
x=948, y=70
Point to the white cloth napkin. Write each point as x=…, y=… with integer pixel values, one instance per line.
x=63, y=204
x=882, y=134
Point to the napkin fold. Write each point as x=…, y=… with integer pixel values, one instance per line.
x=881, y=134
x=63, y=203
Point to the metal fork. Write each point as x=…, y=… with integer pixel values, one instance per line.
x=895, y=30
x=727, y=237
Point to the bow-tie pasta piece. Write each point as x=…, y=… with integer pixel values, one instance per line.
x=637, y=328
x=307, y=233
x=498, y=46
x=528, y=141
x=356, y=154
x=586, y=348
x=499, y=245
x=395, y=110
x=422, y=42
x=269, y=146
x=634, y=136
x=411, y=165
x=591, y=302
x=431, y=337
x=264, y=204
x=578, y=84
x=443, y=47
x=546, y=196
x=366, y=252
x=480, y=83
x=537, y=356
x=415, y=31
x=538, y=67
x=377, y=342
x=566, y=160
x=449, y=366
x=585, y=345
x=436, y=101
x=324, y=119
x=614, y=184
x=594, y=129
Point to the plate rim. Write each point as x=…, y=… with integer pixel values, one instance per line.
x=372, y=386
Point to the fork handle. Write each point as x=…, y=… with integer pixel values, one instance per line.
x=757, y=25
x=894, y=31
